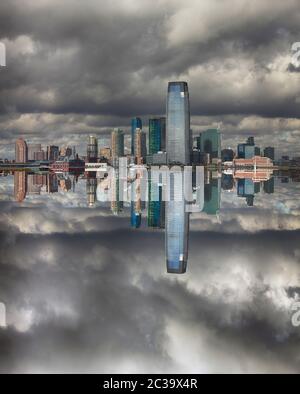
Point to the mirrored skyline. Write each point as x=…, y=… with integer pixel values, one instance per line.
x=69, y=290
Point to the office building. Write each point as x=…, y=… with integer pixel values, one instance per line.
x=39, y=155
x=136, y=123
x=157, y=135
x=105, y=153
x=65, y=152
x=227, y=155
x=92, y=149
x=32, y=149
x=257, y=151
x=140, y=146
x=21, y=155
x=52, y=152
x=209, y=142
x=178, y=123
x=117, y=144
x=269, y=152
x=251, y=141
x=255, y=161
x=245, y=151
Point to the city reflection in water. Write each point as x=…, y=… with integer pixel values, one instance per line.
x=160, y=198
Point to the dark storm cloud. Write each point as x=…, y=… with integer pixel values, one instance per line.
x=74, y=305
x=115, y=58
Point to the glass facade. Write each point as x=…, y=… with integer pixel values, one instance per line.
x=210, y=142
x=157, y=135
x=246, y=151
x=178, y=123
x=136, y=123
x=212, y=197
x=156, y=207
x=177, y=225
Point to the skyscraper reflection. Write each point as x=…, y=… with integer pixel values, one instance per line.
x=177, y=224
x=170, y=194
x=20, y=185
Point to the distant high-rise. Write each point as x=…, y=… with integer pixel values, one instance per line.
x=178, y=123
x=32, y=149
x=92, y=149
x=136, y=123
x=248, y=150
x=66, y=152
x=227, y=155
x=117, y=143
x=210, y=143
x=21, y=151
x=251, y=141
x=105, y=153
x=245, y=151
x=257, y=151
x=269, y=152
x=177, y=225
x=157, y=135
x=52, y=152
x=140, y=146
x=39, y=155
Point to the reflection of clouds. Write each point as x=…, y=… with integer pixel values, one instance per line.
x=79, y=294
x=79, y=284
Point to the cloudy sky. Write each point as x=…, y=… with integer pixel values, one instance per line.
x=78, y=67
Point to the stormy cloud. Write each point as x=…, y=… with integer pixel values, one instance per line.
x=81, y=68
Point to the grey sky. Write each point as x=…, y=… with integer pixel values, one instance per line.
x=77, y=67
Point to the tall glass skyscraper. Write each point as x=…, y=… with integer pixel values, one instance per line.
x=136, y=123
x=157, y=135
x=178, y=123
x=177, y=225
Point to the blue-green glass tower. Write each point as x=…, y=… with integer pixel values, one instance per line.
x=210, y=142
x=157, y=135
